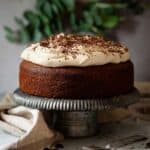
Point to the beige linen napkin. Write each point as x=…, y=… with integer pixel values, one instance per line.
x=27, y=124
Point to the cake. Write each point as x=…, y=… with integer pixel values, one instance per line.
x=74, y=66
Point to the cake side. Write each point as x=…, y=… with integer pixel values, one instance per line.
x=76, y=82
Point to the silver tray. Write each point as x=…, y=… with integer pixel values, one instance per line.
x=75, y=104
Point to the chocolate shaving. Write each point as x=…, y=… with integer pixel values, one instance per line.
x=44, y=43
x=70, y=43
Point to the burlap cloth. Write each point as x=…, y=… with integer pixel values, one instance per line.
x=40, y=137
x=29, y=124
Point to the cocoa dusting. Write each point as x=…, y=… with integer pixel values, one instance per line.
x=71, y=43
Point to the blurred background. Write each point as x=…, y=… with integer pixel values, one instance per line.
x=26, y=21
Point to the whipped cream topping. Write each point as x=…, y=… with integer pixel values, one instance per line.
x=75, y=50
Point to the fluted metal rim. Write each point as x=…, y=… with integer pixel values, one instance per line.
x=75, y=104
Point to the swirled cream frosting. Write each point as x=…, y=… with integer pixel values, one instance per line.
x=75, y=50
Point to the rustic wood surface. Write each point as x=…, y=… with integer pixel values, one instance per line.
x=130, y=133
x=144, y=88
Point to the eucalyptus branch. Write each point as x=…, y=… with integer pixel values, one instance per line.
x=53, y=16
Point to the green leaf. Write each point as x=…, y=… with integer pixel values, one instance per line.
x=69, y=4
x=83, y=26
x=8, y=30
x=47, y=30
x=40, y=4
x=48, y=9
x=103, y=5
x=73, y=21
x=111, y=21
x=11, y=35
x=59, y=25
x=37, y=35
x=55, y=9
x=19, y=22
x=119, y=5
x=24, y=36
x=97, y=30
x=88, y=18
x=98, y=20
x=11, y=38
x=28, y=14
x=32, y=18
x=43, y=18
x=96, y=17
x=59, y=5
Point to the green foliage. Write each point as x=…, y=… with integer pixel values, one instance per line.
x=53, y=16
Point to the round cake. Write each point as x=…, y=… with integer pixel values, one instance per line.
x=76, y=67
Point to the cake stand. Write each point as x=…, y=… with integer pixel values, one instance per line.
x=76, y=117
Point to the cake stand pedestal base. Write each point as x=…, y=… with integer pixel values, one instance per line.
x=75, y=117
x=77, y=124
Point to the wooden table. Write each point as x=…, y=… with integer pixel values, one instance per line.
x=131, y=133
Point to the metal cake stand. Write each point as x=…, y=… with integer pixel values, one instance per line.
x=76, y=117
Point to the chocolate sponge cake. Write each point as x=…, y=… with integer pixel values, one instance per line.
x=76, y=67
x=76, y=82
